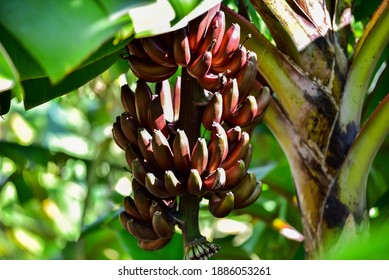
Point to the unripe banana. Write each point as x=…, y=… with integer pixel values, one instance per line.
x=157, y=117
x=213, y=111
x=194, y=183
x=199, y=159
x=135, y=48
x=214, y=34
x=245, y=114
x=173, y=186
x=158, y=52
x=246, y=76
x=230, y=94
x=215, y=180
x=234, y=174
x=181, y=151
x=234, y=64
x=217, y=148
x=252, y=198
x=130, y=208
x=200, y=66
x=118, y=135
x=244, y=189
x=143, y=97
x=150, y=71
x=228, y=45
x=166, y=95
x=162, y=151
x=142, y=199
x=234, y=134
x=220, y=205
x=131, y=154
x=127, y=97
x=237, y=152
x=212, y=82
x=129, y=127
x=138, y=171
x=153, y=245
x=181, y=47
x=263, y=101
x=141, y=230
x=156, y=186
x=162, y=226
x=146, y=147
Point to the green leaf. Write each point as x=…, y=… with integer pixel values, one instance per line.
x=22, y=155
x=41, y=90
x=66, y=33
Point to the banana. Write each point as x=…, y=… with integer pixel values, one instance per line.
x=176, y=99
x=130, y=154
x=156, y=186
x=129, y=127
x=234, y=134
x=252, y=198
x=118, y=135
x=128, y=100
x=200, y=66
x=234, y=174
x=162, y=226
x=135, y=48
x=141, y=230
x=212, y=82
x=162, y=151
x=214, y=34
x=195, y=183
x=234, y=64
x=230, y=94
x=153, y=245
x=228, y=45
x=150, y=71
x=146, y=147
x=199, y=158
x=220, y=207
x=172, y=184
x=181, y=48
x=263, y=101
x=218, y=151
x=246, y=76
x=143, y=97
x=130, y=208
x=237, y=152
x=244, y=189
x=158, y=52
x=215, y=180
x=124, y=217
x=138, y=171
x=213, y=111
x=143, y=199
x=196, y=30
x=249, y=156
x=181, y=152
x=245, y=114
x=164, y=91
x=157, y=117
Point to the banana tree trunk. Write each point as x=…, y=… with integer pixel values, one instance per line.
x=316, y=109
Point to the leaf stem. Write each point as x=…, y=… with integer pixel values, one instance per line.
x=367, y=53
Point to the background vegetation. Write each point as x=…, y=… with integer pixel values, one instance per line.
x=62, y=181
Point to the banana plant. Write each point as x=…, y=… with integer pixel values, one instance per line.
x=227, y=77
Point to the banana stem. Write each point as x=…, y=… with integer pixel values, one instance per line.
x=189, y=216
